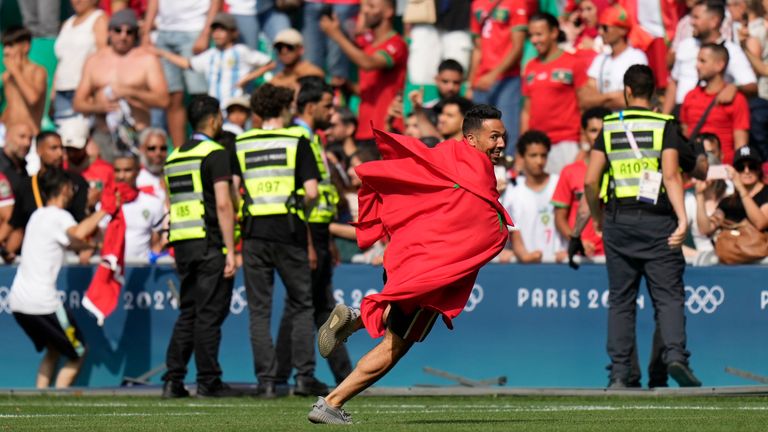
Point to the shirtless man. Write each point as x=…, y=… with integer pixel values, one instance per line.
x=289, y=46
x=24, y=83
x=120, y=84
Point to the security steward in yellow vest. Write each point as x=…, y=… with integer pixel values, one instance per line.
x=198, y=176
x=314, y=103
x=275, y=162
x=644, y=225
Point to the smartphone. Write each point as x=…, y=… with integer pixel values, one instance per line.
x=327, y=10
x=717, y=172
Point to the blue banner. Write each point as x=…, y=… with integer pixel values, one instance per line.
x=538, y=325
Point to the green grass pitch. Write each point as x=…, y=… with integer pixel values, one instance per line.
x=422, y=414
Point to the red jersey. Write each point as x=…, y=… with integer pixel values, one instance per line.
x=99, y=174
x=378, y=87
x=495, y=32
x=568, y=192
x=138, y=6
x=551, y=90
x=722, y=120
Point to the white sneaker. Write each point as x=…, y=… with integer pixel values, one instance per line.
x=326, y=414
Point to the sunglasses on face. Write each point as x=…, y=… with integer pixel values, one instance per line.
x=120, y=30
x=742, y=167
x=604, y=28
x=281, y=46
x=156, y=148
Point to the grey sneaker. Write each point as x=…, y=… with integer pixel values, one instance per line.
x=336, y=329
x=325, y=414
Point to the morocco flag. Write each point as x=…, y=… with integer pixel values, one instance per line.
x=441, y=211
x=103, y=293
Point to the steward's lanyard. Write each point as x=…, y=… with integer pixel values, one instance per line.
x=630, y=137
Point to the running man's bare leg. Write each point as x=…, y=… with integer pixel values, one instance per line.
x=47, y=368
x=374, y=365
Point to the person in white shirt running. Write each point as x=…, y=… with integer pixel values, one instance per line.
x=34, y=299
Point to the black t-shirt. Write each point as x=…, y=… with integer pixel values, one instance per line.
x=25, y=203
x=15, y=175
x=214, y=168
x=288, y=229
x=672, y=139
x=733, y=208
x=453, y=15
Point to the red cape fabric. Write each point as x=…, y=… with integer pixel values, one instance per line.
x=104, y=291
x=441, y=211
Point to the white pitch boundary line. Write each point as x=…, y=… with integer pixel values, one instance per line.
x=17, y=416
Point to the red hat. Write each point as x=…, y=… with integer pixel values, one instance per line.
x=615, y=16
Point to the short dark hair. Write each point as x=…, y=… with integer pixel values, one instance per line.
x=450, y=65
x=530, y=138
x=551, y=21
x=640, y=79
x=128, y=155
x=463, y=103
x=474, y=118
x=269, y=101
x=719, y=51
x=44, y=135
x=347, y=116
x=52, y=182
x=594, y=112
x=709, y=136
x=311, y=90
x=15, y=35
x=200, y=108
x=715, y=7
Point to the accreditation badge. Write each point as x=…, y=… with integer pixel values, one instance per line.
x=650, y=185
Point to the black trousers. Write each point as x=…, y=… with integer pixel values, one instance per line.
x=636, y=247
x=260, y=260
x=323, y=302
x=204, y=304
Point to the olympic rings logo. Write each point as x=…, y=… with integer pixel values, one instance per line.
x=239, y=302
x=704, y=299
x=475, y=297
x=5, y=304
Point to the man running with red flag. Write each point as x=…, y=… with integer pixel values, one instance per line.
x=421, y=199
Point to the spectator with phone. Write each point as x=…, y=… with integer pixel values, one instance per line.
x=320, y=49
x=706, y=195
x=749, y=202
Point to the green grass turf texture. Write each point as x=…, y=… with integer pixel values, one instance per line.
x=423, y=414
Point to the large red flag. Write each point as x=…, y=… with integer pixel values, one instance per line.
x=103, y=293
x=440, y=209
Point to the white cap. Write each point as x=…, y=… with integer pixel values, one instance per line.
x=74, y=132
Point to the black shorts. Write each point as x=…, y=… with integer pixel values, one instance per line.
x=412, y=327
x=57, y=331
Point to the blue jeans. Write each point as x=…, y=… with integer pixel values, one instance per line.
x=758, y=125
x=270, y=22
x=62, y=105
x=180, y=43
x=318, y=48
x=504, y=95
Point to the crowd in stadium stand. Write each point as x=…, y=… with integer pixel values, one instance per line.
x=113, y=106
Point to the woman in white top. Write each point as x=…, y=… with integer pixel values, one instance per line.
x=80, y=36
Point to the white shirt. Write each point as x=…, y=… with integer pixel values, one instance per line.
x=182, y=15
x=143, y=216
x=242, y=7
x=700, y=241
x=73, y=46
x=151, y=184
x=33, y=290
x=534, y=214
x=608, y=71
x=223, y=69
x=739, y=71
